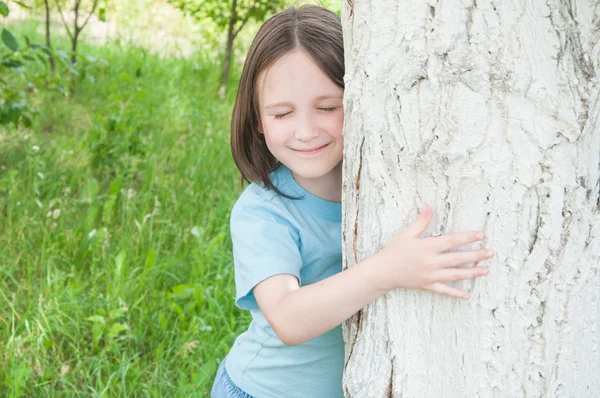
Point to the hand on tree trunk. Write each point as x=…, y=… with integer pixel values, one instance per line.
x=411, y=262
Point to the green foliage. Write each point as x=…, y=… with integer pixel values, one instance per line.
x=16, y=83
x=116, y=276
x=14, y=104
x=9, y=40
x=219, y=11
x=20, y=3
x=25, y=71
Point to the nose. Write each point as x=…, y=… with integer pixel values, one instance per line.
x=306, y=129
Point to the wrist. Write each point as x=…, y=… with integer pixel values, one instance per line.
x=375, y=275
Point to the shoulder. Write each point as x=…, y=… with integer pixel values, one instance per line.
x=265, y=241
x=258, y=203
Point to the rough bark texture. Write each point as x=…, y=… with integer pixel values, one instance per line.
x=490, y=112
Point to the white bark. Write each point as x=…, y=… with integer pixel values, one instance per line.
x=489, y=111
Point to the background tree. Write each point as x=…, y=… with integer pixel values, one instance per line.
x=231, y=15
x=48, y=37
x=78, y=26
x=488, y=111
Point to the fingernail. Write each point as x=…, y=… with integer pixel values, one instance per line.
x=489, y=253
x=479, y=235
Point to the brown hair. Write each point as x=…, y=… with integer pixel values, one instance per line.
x=314, y=29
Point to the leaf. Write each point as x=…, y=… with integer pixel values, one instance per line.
x=43, y=57
x=117, y=328
x=27, y=121
x=117, y=313
x=96, y=319
x=102, y=13
x=114, y=187
x=183, y=291
x=3, y=9
x=47, y=343
x=9, y=40
x=63, y=58
x=150, y=259
x=12, y=63
x=21, y=4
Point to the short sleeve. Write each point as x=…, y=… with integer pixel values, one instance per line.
x=264, y=244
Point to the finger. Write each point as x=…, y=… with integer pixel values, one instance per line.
x=447, y=242
x=418, y=226
x=462, y=258
x=459, y=274
x=442, y=288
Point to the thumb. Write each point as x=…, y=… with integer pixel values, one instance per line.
x=420, y=225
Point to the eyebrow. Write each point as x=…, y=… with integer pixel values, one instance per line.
x=319, y=98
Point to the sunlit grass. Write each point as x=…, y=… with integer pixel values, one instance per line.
x=115, y=262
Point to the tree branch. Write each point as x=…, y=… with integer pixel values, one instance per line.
x=245, y=19
x=76, y=21
x=63, y=19
x=90, y=14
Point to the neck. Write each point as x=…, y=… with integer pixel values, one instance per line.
x=328, y=187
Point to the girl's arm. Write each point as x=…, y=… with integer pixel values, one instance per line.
x=298, y=314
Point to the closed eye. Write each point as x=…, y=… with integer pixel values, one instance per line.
x=333, y=108
x=282, y=115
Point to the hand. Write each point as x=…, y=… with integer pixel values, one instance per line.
x=411, y=262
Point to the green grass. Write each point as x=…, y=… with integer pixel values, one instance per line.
x=116, y=274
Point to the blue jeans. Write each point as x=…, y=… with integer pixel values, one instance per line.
x=223, y=387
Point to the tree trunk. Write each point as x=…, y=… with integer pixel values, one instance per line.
x=75, y=36
x=74, y=41
x=48, y=39
x=228, y=48
x=489, y=112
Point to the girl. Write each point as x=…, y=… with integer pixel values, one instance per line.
x=286, y=226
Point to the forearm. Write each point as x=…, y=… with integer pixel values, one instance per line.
x=313, y=310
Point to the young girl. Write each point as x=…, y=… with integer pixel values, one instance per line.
x=286, y=226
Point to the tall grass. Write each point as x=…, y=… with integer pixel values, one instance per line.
x=115, y=261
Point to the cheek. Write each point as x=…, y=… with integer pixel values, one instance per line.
x=273, y=136
x=277, y=130
x=337, y=124
x=268, y=139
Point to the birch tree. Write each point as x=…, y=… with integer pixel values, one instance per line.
x=487, y=110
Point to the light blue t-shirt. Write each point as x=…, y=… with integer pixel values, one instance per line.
x=274, y=235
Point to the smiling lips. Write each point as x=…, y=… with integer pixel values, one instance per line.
x=311, y=151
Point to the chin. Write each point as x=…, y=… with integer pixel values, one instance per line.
x=310, y=172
